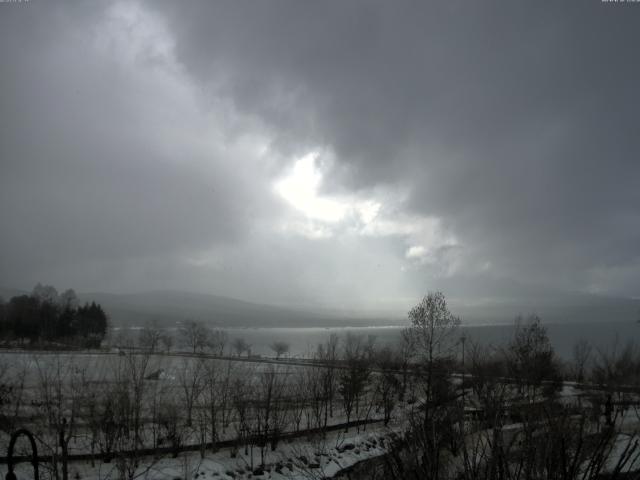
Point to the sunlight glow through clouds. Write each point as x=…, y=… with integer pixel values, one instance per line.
x=322, y=216
x=416, y=251
x=377, y=214
x=372, y=214
x=300, y=189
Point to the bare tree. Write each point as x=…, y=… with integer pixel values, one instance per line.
x=432, y=330
x=224, y=394
x=94, y=387
x=297, y=397
x=616, y=370
x=406, y=350
x=354, y=377
x=219, y=340
x=280, y=348
x=167, y=341
x=68, y=299
x=484, y=451
x=149, y=337
x=387, y=385
x=431, y=433
x=190, y=378
x=170, y=424
x=548, y=438
x=270, y=416
x=45, y=293
x=194, y=335
x=128, y=399
x=582, y=352
x=211, y=398
x=531, y=357
x=240, y=346
x=315, y=393
x=327, y=353
x=122, y=338
x=12, y=389
x=105, y=422
x=59, y=390
x=240, y=390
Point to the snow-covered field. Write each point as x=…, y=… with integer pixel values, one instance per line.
x=303, y=458
x=97, y=375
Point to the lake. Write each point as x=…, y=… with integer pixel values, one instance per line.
x=604, y=336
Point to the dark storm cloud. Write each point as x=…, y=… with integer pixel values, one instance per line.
x=514, y=123
x=99, y=163
x=141, y=142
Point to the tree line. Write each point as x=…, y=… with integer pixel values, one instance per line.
x=196, y=337
x=506, y=415
x=46, y=317
x=496, y=413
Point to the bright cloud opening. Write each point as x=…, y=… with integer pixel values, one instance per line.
x=416, y=251
x=300, y=189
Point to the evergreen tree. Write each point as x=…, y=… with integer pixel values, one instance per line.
x=45, y=315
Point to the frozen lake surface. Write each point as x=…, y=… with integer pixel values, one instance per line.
x=603, y=336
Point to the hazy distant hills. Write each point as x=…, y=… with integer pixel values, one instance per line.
x=169, y=307
x=6, y=293
x=570, y=308
x=166, y=308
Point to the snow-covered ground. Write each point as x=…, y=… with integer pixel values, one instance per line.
x=299, y=459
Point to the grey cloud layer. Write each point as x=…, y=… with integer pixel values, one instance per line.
x=514, y=124
x=102, y=164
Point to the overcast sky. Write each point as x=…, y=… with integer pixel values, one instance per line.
x=337, y=153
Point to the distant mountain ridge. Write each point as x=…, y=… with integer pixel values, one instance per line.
x=6, y=293
x=169, y=307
